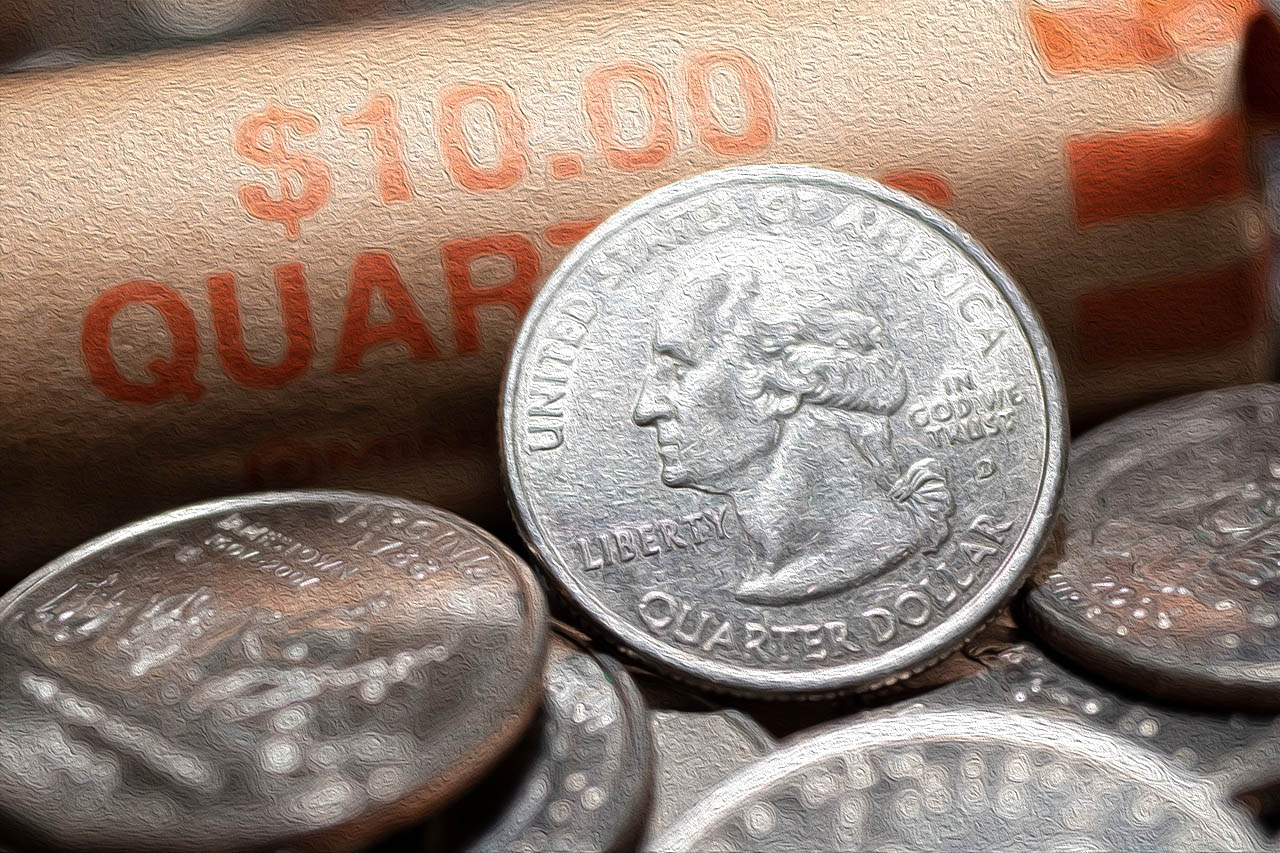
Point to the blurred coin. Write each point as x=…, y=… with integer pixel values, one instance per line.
x=1167, y=573
x=1238, y=750
x=961, y=779
x=197, y=19
x=694, y=751
x=779, y=429
x=579, y=781
x=311, y=668
x=46, y=60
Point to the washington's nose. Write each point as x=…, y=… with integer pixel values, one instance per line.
x=650, y=407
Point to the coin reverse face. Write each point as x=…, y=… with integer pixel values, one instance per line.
x=1168, y=571
x=962, y=780
x=312, y=669
x=1234, y=749
x=580, y=778
x=780, y=429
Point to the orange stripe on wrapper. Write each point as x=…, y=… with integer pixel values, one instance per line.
x=929, y=187
x=1156, y=171
x=1175, y=317
x=565, y=166
x=1132, y=33
x=570, y=231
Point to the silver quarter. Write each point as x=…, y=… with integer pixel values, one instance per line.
x=962, y=779
x=776, y=428
x=579, y=781
x=310, y=668
x=1167, y=572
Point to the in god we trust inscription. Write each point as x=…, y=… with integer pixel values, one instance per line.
x=308, y=669
x=1168, y=574
x=780, y=429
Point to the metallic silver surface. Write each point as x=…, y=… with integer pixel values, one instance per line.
x=1238, y=751
x=964, y=779
x=776, y=428
x=1166, y=574
x=579, y=781
x=694, y=751
x=198, y=19
x=311, y=669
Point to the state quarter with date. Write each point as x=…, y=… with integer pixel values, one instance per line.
x=307, y=669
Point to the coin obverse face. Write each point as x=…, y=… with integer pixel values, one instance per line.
x=780, y=429
x=1167, y=574
x=962, y=780
x=580, y=778
x=310, y=668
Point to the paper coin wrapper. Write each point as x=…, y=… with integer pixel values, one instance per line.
x=300, y=260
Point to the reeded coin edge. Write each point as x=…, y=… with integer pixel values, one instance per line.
x=1173, y=678
x=911, y=725
x=884, y=669
x=438, y=790
x=641, y=740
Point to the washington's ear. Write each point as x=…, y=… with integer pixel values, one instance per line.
x=782, y=404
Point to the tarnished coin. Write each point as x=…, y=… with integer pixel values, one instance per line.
x=313, y=669
x=780, y=429
x=1167, y=572
x=578, y=782
x=962, y=780
x=694, y=751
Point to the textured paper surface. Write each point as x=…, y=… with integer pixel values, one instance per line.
x=300, y=260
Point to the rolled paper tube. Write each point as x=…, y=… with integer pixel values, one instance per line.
x=299, y=260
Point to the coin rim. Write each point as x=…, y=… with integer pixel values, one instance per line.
x=883, y=668
x=1215, y=685
x=909, y=725
x=436, y=790
x=639, y=745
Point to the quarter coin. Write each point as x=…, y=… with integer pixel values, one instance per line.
x=580, y=778
x=962, y=780
x=311, y=669
x=1167, y=573
x=778, y=429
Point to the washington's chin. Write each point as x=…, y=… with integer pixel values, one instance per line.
x=676, y=476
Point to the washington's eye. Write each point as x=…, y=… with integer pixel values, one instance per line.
x=677, y=366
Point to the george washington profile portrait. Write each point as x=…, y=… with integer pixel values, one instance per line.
x=772, y=383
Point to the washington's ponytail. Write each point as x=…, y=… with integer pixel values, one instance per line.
x=922, y=489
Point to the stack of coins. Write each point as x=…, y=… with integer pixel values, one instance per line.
x=784, y=446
